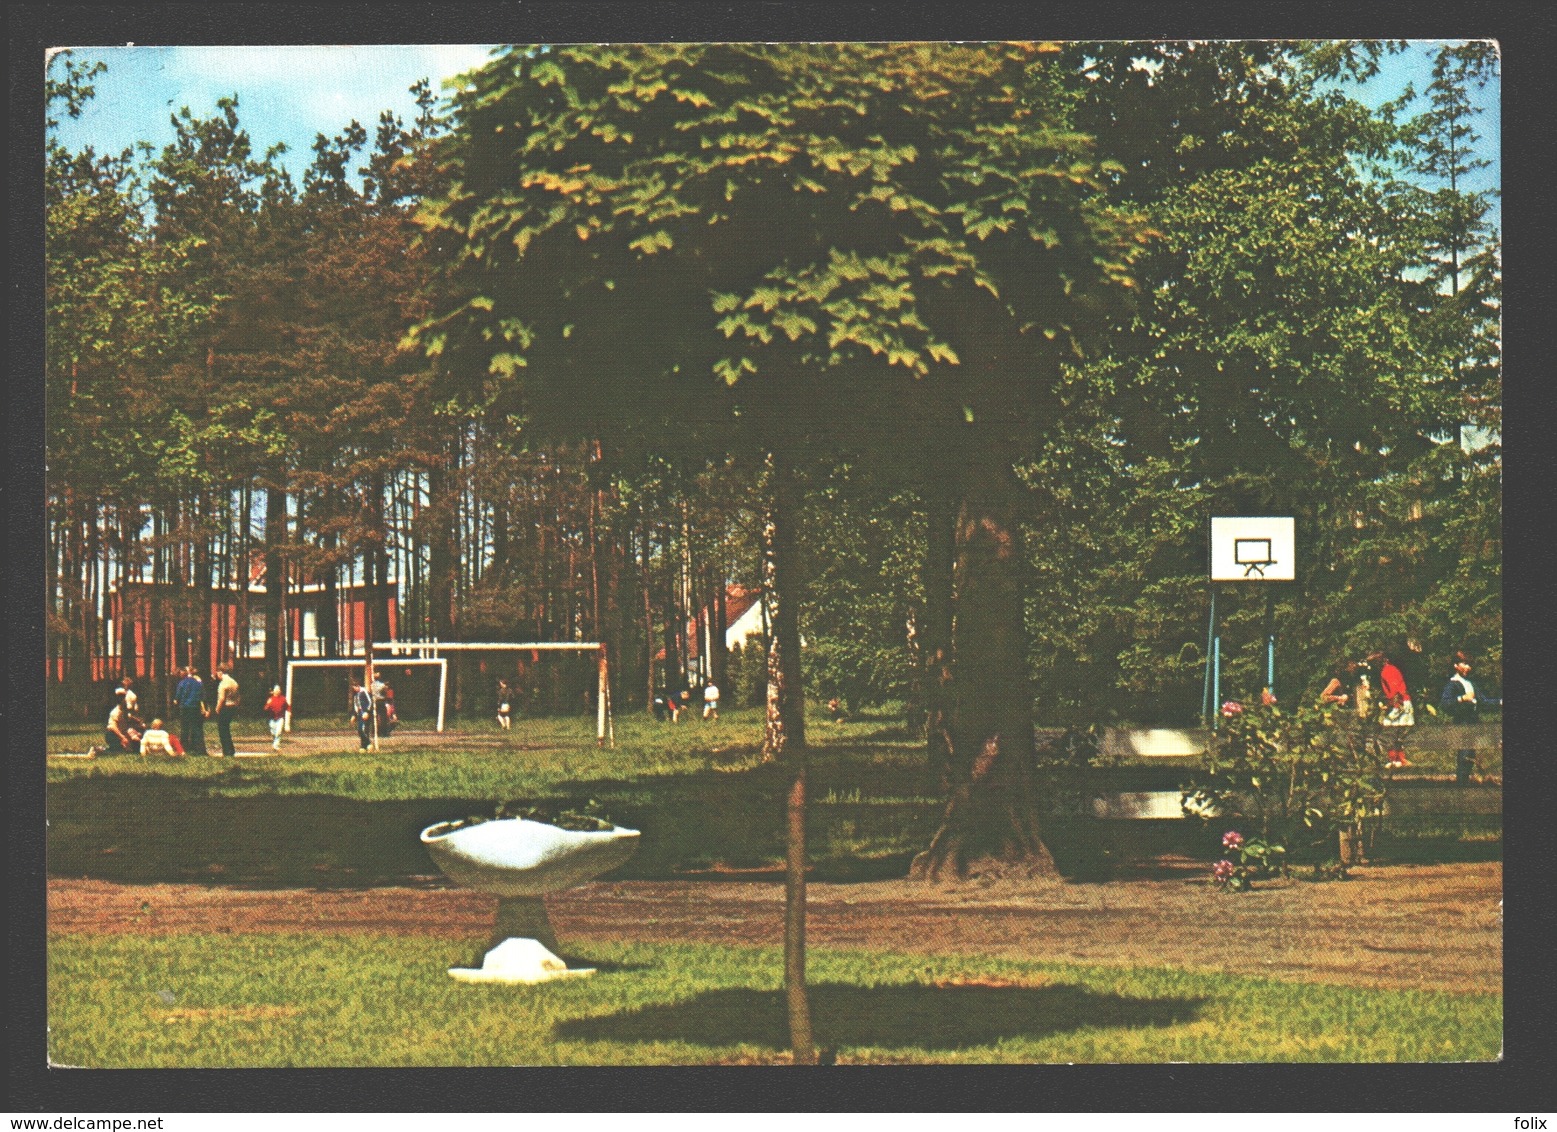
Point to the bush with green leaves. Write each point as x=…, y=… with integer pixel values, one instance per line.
x=1293, y=778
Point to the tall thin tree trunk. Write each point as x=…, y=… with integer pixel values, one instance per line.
x=785, y=722
x=784, y=736
x=721, y=613
x=275, y=583
x=203, y=595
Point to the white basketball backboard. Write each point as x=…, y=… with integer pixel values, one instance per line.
x=1253, y=549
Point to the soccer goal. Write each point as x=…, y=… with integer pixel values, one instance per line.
x=389, y=654
x=392, y=660
x=327, y=698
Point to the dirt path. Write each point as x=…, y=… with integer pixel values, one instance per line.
x=1420, y=926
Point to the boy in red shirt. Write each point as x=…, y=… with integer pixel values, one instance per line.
x=1396, y=701
x=276, y=709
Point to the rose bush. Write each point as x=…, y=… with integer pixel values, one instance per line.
x=1248, y=860
x=1292, y=780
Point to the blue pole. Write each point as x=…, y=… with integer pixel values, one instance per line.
x=1270, y=641
x=1216, y=681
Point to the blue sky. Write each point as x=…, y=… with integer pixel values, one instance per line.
x=285, y=94
x=291, y=94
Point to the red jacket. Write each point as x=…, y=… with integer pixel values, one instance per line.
x=1393, y=685
x=276, y=706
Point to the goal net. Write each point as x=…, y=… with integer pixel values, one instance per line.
x=460, y=682
x=319, y=691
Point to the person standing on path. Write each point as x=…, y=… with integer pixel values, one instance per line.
x=1458, y=698
x=362, y=714
x=711, y=701
x=227, y=702
x=1462, y=703
x=275, y=709
x=505, y=705
x=189, y=697
x=1395, y=699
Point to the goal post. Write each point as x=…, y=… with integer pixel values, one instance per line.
x=360, y=664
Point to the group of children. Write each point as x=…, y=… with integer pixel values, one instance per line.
x=672, y=705
x=125, y=732
x=1376, y=685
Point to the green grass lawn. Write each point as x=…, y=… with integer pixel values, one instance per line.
x=698, y=791
x=537, y=755
x=380, y=1000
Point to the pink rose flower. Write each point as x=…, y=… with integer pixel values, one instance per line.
x=1232, y=839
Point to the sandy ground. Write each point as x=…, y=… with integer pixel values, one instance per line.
x=1418, y=926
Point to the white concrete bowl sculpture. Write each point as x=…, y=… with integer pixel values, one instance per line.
x=519, y=862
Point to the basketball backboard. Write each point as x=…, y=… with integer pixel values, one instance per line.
x=1253, y=549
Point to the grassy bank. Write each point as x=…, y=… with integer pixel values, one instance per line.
x=331, y=1000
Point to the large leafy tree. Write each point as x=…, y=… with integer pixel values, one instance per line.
x=1288, y=357
x=786, y=246
x=780, y=249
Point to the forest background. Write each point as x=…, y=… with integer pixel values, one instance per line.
x=1304, y=320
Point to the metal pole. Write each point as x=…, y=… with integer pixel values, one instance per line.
x=1270, y=641
x=1216, y=681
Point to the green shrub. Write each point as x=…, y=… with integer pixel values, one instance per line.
x=1292, y=779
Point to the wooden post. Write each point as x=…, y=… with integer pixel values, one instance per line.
x=602, y=698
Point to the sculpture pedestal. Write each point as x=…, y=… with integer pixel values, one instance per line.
x=523, y=961
x=518, y=861
x=521, y=948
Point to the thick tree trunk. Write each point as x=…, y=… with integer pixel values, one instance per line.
x=991, y=812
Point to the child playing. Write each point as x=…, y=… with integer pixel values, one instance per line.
x=275, y=709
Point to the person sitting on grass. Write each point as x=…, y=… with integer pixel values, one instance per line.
x=120, y=734
x=156, y=739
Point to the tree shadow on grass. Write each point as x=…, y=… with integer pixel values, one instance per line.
x=902, y=1016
